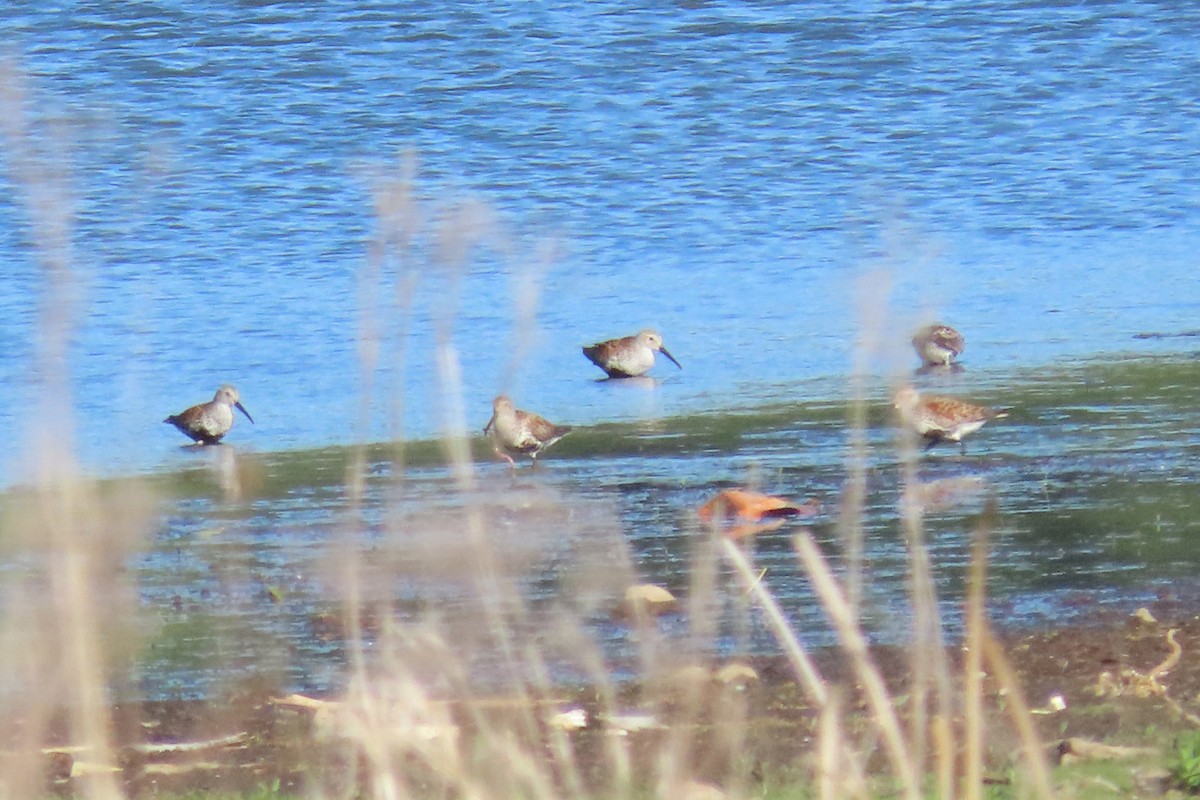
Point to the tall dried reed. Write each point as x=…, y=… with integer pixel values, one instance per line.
x=468, y=700
x=65, y=595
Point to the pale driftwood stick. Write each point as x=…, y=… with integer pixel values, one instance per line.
x=1085, y=748
x=152, y=748
x=1171, y=661
x=303, y=701
x=159, y=748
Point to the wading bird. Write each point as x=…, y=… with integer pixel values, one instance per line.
x=207, y=422
x=942, y=419
x=628, y=357
x=517, y=432
x=938, y=345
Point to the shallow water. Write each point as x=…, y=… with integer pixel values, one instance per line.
x=769, y=187
x=1093, y=477
x=760, y=184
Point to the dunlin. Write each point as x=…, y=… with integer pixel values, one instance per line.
x=628, y=357
x=938, y=345
x=207, y=422
x=520, y=432
x=940, y=419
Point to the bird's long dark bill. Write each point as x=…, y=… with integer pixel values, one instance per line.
x=244, y=411
x=663, y=350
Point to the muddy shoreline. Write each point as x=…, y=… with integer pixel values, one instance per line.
x=751, y=723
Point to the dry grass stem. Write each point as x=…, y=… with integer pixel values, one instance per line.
x=806, y=670
x=976, y=622
x=1018, y=709
x=872, y=295
x=945, y=750
x=458, y=699
x=930, y=670
x=839, y=771
x=833, y=601
x=72, y=540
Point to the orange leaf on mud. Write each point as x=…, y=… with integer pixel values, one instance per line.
x=745, y=504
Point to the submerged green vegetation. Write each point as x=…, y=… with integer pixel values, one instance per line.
x=412, y=619
x=1094, y=474
x=1107, y=404
x=266, y=572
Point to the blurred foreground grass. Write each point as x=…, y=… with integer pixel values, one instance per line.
x=922, y=721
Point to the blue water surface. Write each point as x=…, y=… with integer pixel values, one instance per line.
x=767, y=184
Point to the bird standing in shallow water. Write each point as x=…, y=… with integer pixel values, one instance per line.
x=938, y=345
x=628, y=357
x=207, y=422
x=940, y=419
x=520, y=432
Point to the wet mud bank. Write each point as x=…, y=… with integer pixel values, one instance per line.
x=1121, y=680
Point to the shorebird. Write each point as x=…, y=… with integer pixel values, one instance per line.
x=940, y=419
x=520, y=432
x=628, y=357
x=938, y=344
x=207, y=422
